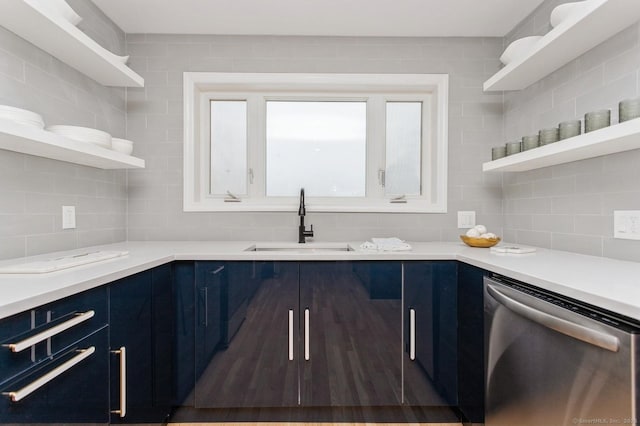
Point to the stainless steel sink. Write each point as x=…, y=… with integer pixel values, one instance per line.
x=301, y=248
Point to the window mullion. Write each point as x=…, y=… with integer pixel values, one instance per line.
x=256, y=144
x=375, y=145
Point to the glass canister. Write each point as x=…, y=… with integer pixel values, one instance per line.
x=595, y=120
x=569, y=129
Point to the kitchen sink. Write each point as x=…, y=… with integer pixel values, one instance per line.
x=301, y=248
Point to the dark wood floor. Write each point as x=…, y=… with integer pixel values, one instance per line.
x=356, y=353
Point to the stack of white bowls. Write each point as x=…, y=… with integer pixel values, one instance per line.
x=21, y=116
x=566, y=11
x=519, y=49
x=83, y=134
x=122, y=145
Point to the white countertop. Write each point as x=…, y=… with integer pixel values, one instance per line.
x=608, y=283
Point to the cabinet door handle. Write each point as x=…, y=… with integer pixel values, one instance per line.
x=205, y=292
x=306, y=334
x=220, y=269
x=290, y=334
x=412, y=334
x=40, y=337
x=123, y=381
x=38, y=383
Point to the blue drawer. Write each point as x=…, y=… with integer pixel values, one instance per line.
x=69, y=320
x=79, y=394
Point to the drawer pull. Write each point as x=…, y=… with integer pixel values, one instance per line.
x=123, y=382
x=36, y=384
x=40, y=337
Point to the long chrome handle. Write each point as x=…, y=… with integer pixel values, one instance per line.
x=290, y=334
x=218, y=270
x=123, y=381
x=38, y=383
x=577, y=331
x=306, y=335
x=412, y=334
x=40, y=337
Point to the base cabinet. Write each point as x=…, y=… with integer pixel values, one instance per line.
x=325, y=334
x=431, y=341
x=63, y=378
x=141, y=347
x=255, y=363
x=471, y=363
x=350, y=334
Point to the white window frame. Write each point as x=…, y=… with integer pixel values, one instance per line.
x=201, y=87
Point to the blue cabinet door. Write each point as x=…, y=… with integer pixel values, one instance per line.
x=350, y=333
x=140, y=321
x=211, y=277
x=184, y=306
x=471, y=362
x=430, y=341
x=257, y=364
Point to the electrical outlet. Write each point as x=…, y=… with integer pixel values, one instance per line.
x=466, y=219
x=68, y=217
x=626, y=224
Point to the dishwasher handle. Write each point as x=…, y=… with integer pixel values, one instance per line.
x=577, y=331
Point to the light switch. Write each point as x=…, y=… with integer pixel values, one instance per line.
x=68, y=217
x=626, y=224
x=466, y=219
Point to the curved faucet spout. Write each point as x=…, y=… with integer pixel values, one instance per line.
x=302, y=210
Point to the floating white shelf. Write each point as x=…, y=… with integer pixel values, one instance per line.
x=610, y=140
x=598, y=21
x=39, y=142
x=65, y=41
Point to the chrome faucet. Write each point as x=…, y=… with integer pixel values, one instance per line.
x=302, y=231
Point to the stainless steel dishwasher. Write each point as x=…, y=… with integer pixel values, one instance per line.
x=553, y=361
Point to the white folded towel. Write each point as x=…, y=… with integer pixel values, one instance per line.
x=386, y=244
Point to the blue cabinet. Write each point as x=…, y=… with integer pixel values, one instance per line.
x=141, y=342
x=54, y=362
x=350, y=334
x=431, y=341
x=256, y=315
x=211, y=278
x=471, y=362
x=184, y=297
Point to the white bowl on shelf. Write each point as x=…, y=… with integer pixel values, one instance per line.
x=566, y=11
x=21, y=116
x=519, y=49
x=83, y=134
x=122, y=145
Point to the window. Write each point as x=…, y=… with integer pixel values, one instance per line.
x=355, y=142
x=317, y=145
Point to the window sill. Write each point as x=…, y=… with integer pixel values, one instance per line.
x=369, y=206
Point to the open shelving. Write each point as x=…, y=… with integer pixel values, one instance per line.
x=599, y=20
x=58, y=37
x=35, y=141
x=609, y=140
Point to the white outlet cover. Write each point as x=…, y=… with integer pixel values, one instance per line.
x=626, y=224
x=68, y=217
x=466, y=219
